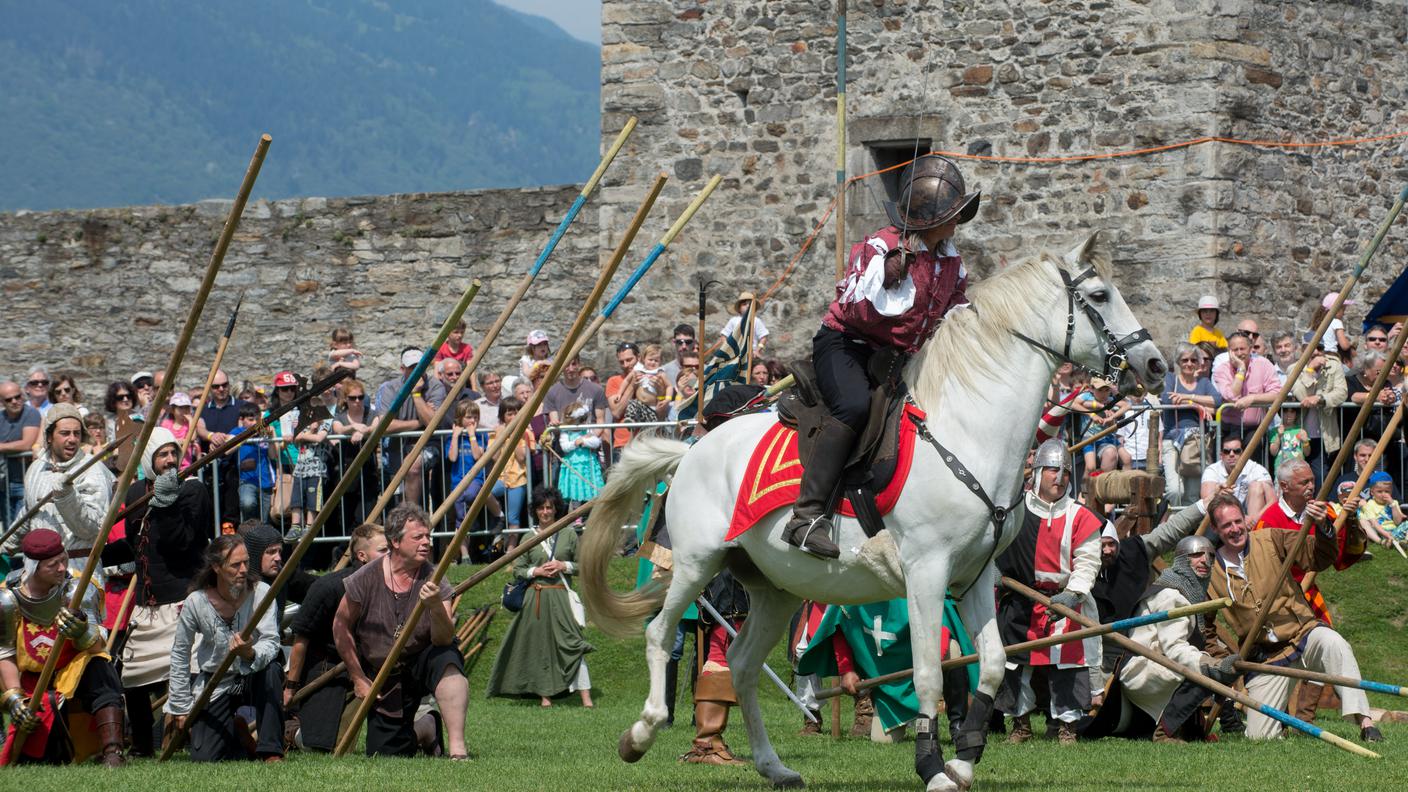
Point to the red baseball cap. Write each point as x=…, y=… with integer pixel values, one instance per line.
x=285, y=379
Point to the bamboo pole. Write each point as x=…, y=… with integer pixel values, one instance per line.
x=1294, y=374
x=71, y=477
x=502, y=450
x=210, y=378
x=1192, y=675
x=1050, y=640
x=349, y=477
x=492, y=335
x=173, y=367
x=1324, y=679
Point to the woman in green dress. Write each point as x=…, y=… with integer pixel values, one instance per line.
x=544, y=654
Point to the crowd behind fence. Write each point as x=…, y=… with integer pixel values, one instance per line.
x=546, y=466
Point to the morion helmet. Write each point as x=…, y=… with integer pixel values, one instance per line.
x=931, y=194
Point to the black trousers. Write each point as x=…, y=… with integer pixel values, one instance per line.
x=320, y=714
x=840, y=362
x=213, y=735
x=391, y=726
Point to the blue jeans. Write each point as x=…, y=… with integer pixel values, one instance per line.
x=254, y=502
x=513, y=508
x=15, y=502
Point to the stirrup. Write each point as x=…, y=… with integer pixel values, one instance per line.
x=806, y=539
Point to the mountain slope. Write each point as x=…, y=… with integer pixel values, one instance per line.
x=158, y=101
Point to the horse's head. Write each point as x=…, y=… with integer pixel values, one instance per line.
x=1101, y=332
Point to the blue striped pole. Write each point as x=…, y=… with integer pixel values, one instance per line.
x=659, y=248
x=1322, y=678
x=1193, y=675
x=581, y=199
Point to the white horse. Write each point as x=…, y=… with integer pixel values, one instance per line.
x=982, y=379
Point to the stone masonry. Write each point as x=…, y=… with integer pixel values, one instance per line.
x=747, y=90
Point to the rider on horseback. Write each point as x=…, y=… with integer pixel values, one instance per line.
x=900, y=283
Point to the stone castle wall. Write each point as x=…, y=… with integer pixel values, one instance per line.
x=104, y=292
x=747, y=90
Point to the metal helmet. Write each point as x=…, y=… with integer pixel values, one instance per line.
x=1052, y=454
x=931, y=194
x=1189, y=545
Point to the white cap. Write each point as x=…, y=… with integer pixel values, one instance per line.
x=1208, y=301
x=180, y=399
x=410, y=358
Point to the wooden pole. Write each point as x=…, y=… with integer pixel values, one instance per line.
x=349, y=477
x=1050, y=640
x=1102, y=434
x=1294, y=374
x=1324, y=679
x=72, y=476
x=502, y=451
x=1193, y=675
x=210, y=378
x=840, y=139
x=173, y=367
x=492, y=335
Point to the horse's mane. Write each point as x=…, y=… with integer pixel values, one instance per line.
x=972, y=342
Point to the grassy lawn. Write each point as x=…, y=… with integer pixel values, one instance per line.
x=523, y=747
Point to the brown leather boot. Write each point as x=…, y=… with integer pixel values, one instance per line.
x=710, y=720
x=1066, y=734
x=1161, y=735
x=1021, y=730
x=865, y=712
x=108, y=722
x=812, y=727
x=809, y=529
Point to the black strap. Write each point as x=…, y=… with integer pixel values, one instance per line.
x=998, y=514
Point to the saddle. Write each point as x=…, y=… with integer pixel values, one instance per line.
x=873, y=461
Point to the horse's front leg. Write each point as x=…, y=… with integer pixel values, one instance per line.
x=926, y=580
x=979, y=612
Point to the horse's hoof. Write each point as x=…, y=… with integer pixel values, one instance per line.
x=941, y=783
x=793, y=781
x=627, y=750
x=961, y=773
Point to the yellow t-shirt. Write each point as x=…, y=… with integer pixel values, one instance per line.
x=1200, y=334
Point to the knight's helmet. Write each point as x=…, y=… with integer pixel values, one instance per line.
x=931, y=194
x=1052, y=454
x=1190, y=545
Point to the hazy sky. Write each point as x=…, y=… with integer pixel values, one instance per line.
x=581, y=18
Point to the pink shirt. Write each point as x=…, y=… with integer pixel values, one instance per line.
x=1261, y=378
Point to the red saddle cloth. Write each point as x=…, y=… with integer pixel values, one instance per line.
x=774, y=476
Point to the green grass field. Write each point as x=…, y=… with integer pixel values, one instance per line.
x=523, y=747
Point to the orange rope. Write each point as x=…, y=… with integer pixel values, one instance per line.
x=1288, y=144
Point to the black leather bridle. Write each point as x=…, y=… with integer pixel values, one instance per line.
x=1117, y=349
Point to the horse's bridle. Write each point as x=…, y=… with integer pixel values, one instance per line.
x=1116, y=349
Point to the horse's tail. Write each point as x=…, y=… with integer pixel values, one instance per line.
x=644, y=462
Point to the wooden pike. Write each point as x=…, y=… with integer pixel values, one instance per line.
x=1193, y=675
x=173, y=367
x=1323, y=679
x=350, y=476
x=210, y=378
x=507, y=439
x=1050, y=640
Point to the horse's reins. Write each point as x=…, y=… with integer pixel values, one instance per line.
x=1116, y=349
